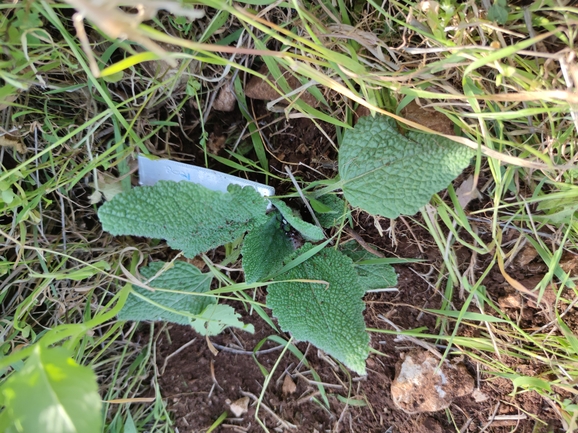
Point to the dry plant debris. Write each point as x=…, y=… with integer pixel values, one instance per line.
x=258, y=88
x=118, y=24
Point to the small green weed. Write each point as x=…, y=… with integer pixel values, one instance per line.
x=315, y=288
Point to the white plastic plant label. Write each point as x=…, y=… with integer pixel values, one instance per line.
x=151, y=171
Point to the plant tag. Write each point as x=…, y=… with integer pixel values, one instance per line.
x=151, y=171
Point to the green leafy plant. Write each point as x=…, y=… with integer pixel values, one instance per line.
x=50, y=391
x=371, y=272
x=64, y=395
x=315, y=291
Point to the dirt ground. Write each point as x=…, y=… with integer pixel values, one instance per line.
x=200, y=386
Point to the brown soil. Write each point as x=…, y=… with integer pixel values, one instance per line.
x=199, y=386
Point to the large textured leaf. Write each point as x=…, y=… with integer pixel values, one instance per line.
x=52, y=394
x=388, y=174
x=309, y=232
x=329, y=315
x=371, y=276
x=189, y=216
x=264, y=249
x=143, y=304
x=177, y=303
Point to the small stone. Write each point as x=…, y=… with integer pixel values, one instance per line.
x=479, y=396
x=466, y=192
x=511, y=300
x=569, y=263
x=240, y=407
x=422, y=385
x=428, y=117
x=527, y=254
x=361, y=111
x=289, y=386
x=225, y=100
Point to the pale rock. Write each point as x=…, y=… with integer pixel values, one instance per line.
x=226, y=99
x=527, y=254
x=422, y=385
x=479, y=396
x=289, y=386
x=239, y=407
x=510, y=300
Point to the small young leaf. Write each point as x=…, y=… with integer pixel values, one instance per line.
x=498, y=12
x=532, y=383
x=319, y=207
x=52, y=394
x=371, y=276
x=329, y=315
x=129, y=425
x=386, y=173
x=335, y=207
x=217, y=317
x=308, y=231
x=143, y=304
x=189, y=216
x=264, y=249
x=571, y=339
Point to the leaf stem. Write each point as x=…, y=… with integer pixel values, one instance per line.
x=309, y=208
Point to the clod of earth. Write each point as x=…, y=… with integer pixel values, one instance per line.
x=225, y=100
x=428, y=117
x=422, y=385
x=427, y=424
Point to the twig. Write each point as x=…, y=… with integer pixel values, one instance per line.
x=491, y=419
x=316, y=383
x=361, y=242
x=307, y=398
x=336, y=426
x=246, y=352
x=414, y=340
x=281, y=421
x=212, y=365
x=412, y=234
x=180, y=349
x=508, y=225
